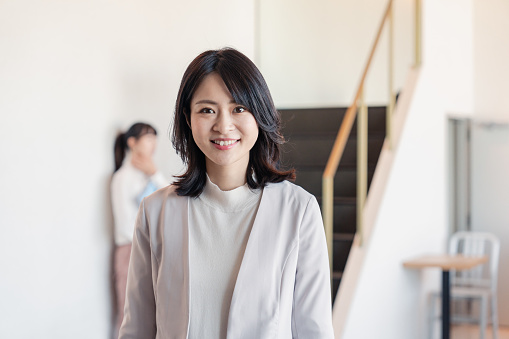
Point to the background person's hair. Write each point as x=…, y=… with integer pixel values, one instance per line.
x=248, y=88
x=137, y=130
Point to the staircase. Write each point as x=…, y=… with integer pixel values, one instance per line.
x=310, y=134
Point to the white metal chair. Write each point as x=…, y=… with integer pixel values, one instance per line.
x=479, y=283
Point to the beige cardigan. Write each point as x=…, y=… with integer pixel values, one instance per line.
x=283, y=286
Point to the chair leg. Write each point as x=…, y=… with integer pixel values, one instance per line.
x=484, y=317
x=494, y=315
x=431, y=317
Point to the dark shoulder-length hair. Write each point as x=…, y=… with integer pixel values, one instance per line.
x=248, y=88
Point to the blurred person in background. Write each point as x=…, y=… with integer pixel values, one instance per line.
x=135, y=177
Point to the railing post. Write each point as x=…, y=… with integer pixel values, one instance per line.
x=362, y=163
x=418, y=32
x=390, y=107
x=328, y=214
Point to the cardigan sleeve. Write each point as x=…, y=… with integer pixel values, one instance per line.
x=140, y=310
x=312, y=305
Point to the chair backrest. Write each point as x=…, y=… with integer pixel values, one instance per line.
x=472, y=244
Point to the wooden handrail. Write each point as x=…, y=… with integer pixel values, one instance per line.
x=346, y=125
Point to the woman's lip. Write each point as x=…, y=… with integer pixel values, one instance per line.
x=225, y=147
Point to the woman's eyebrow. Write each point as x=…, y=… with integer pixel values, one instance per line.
x=211, y=102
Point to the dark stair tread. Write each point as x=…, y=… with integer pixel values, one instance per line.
x=345, y=181
x=346, y=167
x=343, y=236
x=299, y=152
x=328, y=120
x=314, y=119
x=332, y=136
x=340, y=200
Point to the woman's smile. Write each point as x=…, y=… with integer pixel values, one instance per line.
x=225, y=144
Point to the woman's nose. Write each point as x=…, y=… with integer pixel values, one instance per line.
x=224, y=123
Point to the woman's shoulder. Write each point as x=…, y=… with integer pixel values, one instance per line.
x=287, y=189
x=163, y=196
x=167, y=192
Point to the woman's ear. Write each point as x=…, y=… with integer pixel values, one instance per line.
x=131, y=141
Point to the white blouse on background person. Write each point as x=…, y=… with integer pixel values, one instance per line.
x=128, y=186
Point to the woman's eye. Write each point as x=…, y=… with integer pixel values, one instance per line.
x=207, y=110
x=239, y=109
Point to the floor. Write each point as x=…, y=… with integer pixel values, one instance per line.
x=472, y=332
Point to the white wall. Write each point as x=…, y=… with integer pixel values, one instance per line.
x=491, y=54
x=314, y=51
x=390, y=301
x=490, y=198
x=490, y=146
x=71, y=74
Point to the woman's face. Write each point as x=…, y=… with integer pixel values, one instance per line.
x=144, y=145
x=223, y=130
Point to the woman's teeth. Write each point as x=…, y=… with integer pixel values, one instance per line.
x=224, y=143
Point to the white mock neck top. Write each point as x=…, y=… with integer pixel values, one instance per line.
x=219, y=228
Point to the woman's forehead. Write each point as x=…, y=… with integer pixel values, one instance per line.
x=212, y=88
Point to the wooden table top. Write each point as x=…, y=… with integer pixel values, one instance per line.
x=445, y=262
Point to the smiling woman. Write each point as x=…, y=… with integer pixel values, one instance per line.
x=232, y=249
x=224, y=131
x=213, y=81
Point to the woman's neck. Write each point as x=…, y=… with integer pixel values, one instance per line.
x=229, y=177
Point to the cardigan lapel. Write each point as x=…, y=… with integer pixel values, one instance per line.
x=175, y=267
